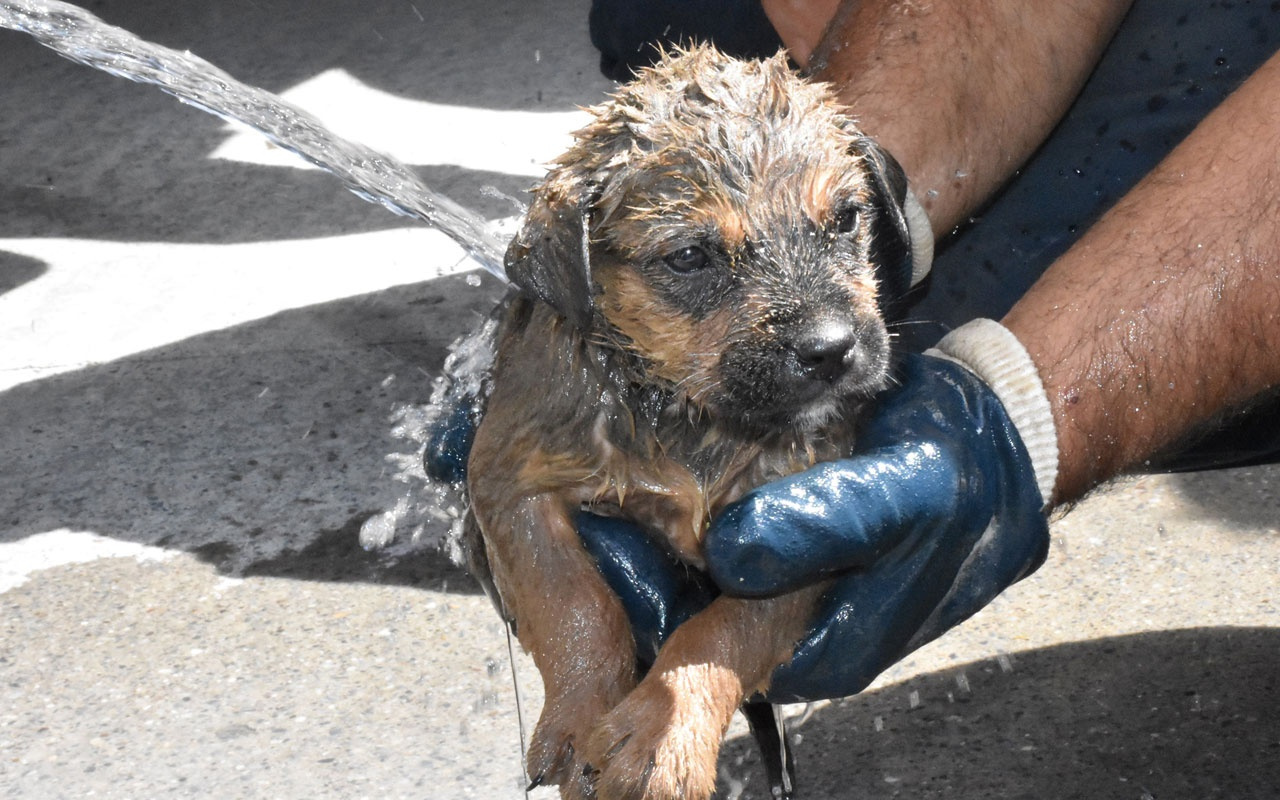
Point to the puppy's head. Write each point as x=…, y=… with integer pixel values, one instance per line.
x=726, y=224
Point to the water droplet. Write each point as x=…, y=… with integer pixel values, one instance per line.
x=378, y=531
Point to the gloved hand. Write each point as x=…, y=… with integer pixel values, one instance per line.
x=940, y=509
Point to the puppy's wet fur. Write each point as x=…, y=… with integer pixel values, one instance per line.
x=701, y=309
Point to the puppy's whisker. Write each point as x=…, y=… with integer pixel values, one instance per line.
x=902, y=323
x=693, y=379
x=697, y=387
x=701, y=395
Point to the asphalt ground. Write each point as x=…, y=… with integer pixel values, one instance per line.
x=206, y=354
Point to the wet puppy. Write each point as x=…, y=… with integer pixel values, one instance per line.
x=702, y=278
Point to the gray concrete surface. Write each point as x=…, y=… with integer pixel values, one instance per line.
x=202, y=349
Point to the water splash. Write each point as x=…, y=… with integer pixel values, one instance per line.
x=80, y=36
x=428, y=503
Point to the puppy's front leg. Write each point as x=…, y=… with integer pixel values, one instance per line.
x=663, y=740
x=569, y=621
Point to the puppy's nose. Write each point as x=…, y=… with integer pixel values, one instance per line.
x=822, y=355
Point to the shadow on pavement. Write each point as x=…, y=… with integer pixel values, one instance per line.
x=1154, y=716
x=261, y=447
x=15, y=270
x=1240, y=499
x=112, y=160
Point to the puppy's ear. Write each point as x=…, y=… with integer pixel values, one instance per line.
x=550, y=256
x=901, y=240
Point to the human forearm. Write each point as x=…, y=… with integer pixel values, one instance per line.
x=960, y=93
x=1168, y=311
x=800, y=24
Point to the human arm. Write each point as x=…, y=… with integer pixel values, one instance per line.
x=986, y=80
x=960, y=93
x=1167, y=312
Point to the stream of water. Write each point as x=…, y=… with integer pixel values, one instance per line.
x=80, y=36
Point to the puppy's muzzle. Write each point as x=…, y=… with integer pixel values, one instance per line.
x=834, y=356
x=801, y=371
x=826, y=353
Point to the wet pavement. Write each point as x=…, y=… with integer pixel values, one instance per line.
x=204, y=349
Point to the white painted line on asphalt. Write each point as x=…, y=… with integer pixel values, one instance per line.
x=20, y=559
x=100, y=301
x=416, y=131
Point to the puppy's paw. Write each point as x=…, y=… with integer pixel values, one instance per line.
x=554, y=756
x=556, y=750
x=655, y=745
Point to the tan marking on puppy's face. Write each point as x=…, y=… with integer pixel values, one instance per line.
x=677, y=348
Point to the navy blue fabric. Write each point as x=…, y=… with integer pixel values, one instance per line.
x=628, y=33
x=1170, y=64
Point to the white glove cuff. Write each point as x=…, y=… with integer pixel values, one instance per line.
x=921, y=232
x=993, y=353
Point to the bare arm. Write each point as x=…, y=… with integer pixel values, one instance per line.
x=1165, y=314
x=1168, y=311
x=800, y=24
x=960, y=93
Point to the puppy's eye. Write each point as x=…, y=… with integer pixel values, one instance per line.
x=687, y=259
x=846, y=220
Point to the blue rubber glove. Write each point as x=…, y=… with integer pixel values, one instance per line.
x=448, y=441
x=941, y=508
x=658, y=591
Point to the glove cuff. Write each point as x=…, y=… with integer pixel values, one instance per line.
x=995, y=355
x=920, y=229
